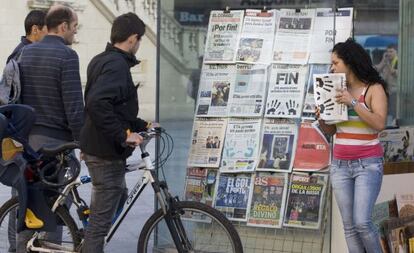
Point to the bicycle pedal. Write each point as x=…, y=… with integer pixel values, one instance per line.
x=32, y=221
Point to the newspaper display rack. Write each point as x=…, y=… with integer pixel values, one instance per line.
x=256, y=95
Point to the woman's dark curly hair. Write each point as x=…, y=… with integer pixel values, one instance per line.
x=359, y=61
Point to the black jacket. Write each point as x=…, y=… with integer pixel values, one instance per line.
x=111, y=105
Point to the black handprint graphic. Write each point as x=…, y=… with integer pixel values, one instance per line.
x=272, y=106
x=292, y=107
x=318, y=95
x=321, y=84
x=326, y=106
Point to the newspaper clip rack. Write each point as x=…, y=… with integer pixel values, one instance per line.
x=227, y=10
x=264, y=9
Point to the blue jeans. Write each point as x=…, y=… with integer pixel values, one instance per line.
x=36, y=142
x=356, y=185
x=108, y=191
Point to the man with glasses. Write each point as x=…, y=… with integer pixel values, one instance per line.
x=51, y=81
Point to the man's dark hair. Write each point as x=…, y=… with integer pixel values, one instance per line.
x=58, y=15
x=125, y=26
x=393, y=46
x=35, y=17
x=359, y=61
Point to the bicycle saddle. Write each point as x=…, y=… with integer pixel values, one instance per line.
x=52, y=150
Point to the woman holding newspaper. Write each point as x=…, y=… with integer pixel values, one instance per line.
x=357, y=166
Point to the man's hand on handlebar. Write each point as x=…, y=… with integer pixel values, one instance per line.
x=134, y=139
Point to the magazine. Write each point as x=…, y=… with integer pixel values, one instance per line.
x=383, y=211
x=392, y=227
x=293, y=34
x=233, y=195
x=200, y=185
x=397, y=241
x=241, y=147
x=223, y=36
x=268, y=200
x=313, y=151
x=207, y=135
x=398, y=144
x=326, y=86
x=248, y=92
x=286, y=91
x=405, y=204
x=304, y=205
x=277, y=145
x=309, y=106
x=256, y=40
x=214, y=91
x=324, y=36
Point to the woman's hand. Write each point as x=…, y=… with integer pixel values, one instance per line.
x=317, y=113
x=343, y=97
x=328, y=129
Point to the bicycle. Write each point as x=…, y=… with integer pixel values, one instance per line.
x=177, y=226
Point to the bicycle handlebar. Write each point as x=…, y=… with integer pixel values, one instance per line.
x=151, y=133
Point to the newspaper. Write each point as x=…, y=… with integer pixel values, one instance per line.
x=214, y=91
x=234, y=195
x=324, y=37
x=256, y=40
x=241, y=147
x=325, y=87
x=286, y=91
x=292, y=39
x=194, y=184
x=405, y=204
x=223, y=36
x=200, y=187
x=248, y=92
x=313, y=151
x=200, y=184
x=309, y=106
x=398, y=144
x=304, y=205
x=207, y=136
x=277, y=145
x=268, y=200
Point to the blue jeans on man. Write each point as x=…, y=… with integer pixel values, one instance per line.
x=356, y=185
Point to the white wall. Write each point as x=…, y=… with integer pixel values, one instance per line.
x=392, y=184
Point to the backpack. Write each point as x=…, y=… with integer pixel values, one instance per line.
x=10, y=86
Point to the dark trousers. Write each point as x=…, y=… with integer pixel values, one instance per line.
x=36, y=142
x=108, y=188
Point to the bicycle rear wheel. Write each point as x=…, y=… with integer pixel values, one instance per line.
x=68, y=240
x=207, y=230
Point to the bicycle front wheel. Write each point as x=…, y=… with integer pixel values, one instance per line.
x=204, y=230
x=66, y=239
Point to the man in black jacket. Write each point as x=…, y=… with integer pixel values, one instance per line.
x=111, y=125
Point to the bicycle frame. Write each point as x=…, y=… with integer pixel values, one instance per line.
x=166, y=201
